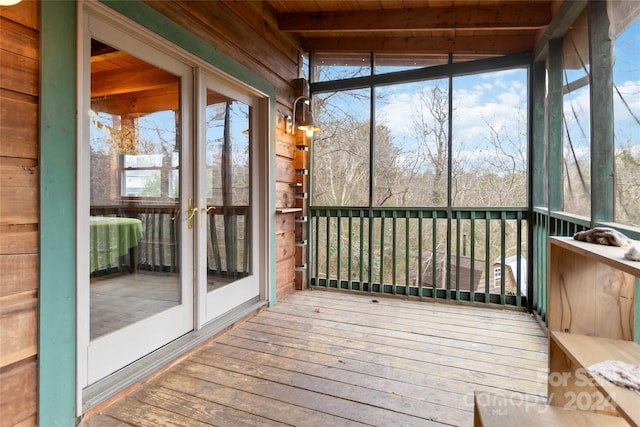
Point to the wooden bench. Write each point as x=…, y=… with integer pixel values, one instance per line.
x=492, y=410
x=571, y=354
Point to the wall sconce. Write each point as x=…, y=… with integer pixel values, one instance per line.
x=307, y=123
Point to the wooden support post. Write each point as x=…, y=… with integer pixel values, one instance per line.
x=601, y=92
x=554, y=153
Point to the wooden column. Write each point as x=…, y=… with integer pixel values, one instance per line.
x=601, y=99
x=538, y=160
x=57, y=315
x=554, y=130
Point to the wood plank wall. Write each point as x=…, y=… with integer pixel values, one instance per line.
x=247, y=32
x=19, y=87
x=244, y=31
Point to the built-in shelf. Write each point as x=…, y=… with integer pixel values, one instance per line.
x=592, y=318
x=610, y=255
x=288, y=210
x=585, y=351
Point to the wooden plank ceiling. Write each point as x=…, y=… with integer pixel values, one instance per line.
x=463, y=27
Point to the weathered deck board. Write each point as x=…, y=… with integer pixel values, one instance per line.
x=328, y=358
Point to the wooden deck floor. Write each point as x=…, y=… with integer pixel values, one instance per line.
x=333, y=359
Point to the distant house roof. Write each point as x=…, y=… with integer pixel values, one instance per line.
x=461, y=264
x=512, y=263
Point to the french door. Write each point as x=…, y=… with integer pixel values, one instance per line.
x=136, y=290
x=170, y=236
x=227, y=179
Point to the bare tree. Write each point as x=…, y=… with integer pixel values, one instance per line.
x=431, y=125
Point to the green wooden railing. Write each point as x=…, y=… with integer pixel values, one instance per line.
x=466, y=254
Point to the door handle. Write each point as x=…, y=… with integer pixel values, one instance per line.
x=191, y=212
x=205, y=208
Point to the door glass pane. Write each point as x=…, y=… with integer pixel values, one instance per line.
x=134, y=190
x=228, y=174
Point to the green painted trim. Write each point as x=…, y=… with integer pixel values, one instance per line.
x=601, y=100
x=554, y=153
x=538, y=161
x=272, y=201
x=57, y=288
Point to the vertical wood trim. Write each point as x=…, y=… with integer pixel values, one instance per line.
x=601, y=99
x=537, y=163
x=270, y=202
x=554, y=155
x=637, y=301
x=57, y=311
x=537, y=171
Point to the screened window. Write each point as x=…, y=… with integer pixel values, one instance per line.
x=489, y=150
x=626, y=111
x=404, y=146
x=576, y=119
x=341, y=150
x=339, y=66
x=389, y=63
x=410, y=144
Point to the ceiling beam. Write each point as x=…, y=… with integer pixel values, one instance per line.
x=461, y=44
x=164, y=98
x=562, y=20
x=505, y=17
x=132, y=79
